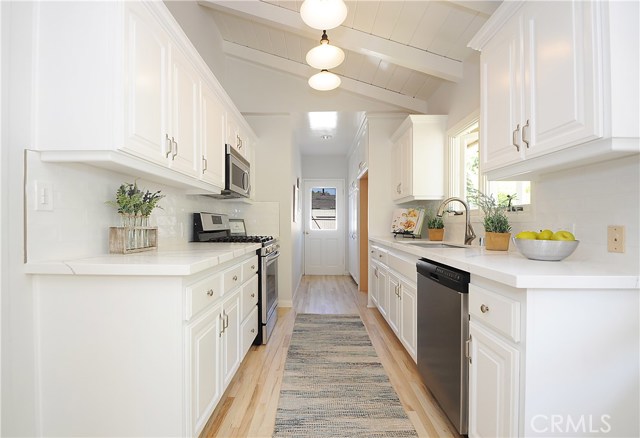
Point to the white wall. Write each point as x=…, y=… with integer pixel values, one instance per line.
x=17, y=354
x=278, y=166
x=460, y=99
x=198, y=24
x=324, y=167
x=381, y=128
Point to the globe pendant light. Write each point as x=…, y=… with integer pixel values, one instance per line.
x=323, y=14
x=324, y=81
x=325, y=56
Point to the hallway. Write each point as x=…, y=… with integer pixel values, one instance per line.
x=249, y=405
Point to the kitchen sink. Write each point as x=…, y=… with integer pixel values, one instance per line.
x=435, y=245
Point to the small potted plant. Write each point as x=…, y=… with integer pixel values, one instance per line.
x=134, y=207
x=435, y=226
x=495, y=221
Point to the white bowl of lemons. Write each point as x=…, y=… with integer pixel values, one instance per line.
x=546, y=245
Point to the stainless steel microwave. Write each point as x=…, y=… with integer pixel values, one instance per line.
x=237, y=174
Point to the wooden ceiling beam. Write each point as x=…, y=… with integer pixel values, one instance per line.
x=344, y=37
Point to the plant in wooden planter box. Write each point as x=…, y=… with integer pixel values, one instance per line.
x=495, y=221
x=135, y=207
x=435, y=227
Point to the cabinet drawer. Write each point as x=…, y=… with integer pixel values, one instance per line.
x=249, y=268
x=496, y=311
x=403, y=266
x=232, y=278
x=249, y=295
x=249, y=331
x=378, y=254
x=201, y=294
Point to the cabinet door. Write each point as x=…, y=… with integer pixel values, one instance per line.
x=493, y=385
x=500, y=90
x=230, y=337
x=353, y=247
x=563, y=82
x=408, y=317
x=393, y=314
x=383, y=291
x=185, y=100
x=373, y=283
x=146, y=66
x=406, y=164
x=213, y=137
x=203, y=339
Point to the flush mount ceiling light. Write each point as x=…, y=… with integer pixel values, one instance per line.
x=325, y=56
x=323, y=14
x=324, y=81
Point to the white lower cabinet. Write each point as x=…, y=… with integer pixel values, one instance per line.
x=493, y=389
x=393, y=291
x=142, y=347
x=550, y=362
x=203, y=340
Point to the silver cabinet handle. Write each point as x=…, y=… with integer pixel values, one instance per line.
x=226, y=321
x=235, y=278
x=253, y=330
x=253, y=295
x=526, y=142
x=222, y=321
x=484, y=308
x=170, y=144
x=210, y=292
x=253, y=267
x=175, y=153
x=514, y=139
x=204, y=164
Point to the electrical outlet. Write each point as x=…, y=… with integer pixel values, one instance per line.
x=44, y=196
x=615, y=238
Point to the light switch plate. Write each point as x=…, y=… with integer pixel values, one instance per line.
x=615, y=238
x=44, y=196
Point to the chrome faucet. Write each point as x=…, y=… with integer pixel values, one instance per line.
x=469, y=234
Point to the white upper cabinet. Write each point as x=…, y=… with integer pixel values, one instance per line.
x=131, y=95
x=146, y=96
x=545, y=86
x=184, y=130
x=418, y=158
x=213, y=137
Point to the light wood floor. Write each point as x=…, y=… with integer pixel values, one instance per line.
x=248, y=407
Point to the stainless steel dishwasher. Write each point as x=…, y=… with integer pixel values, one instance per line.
x=443, y=331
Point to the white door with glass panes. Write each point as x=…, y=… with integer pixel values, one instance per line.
x=324, y=227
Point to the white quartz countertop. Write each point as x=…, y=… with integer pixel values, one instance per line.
x=187, y=259
x=514, y=269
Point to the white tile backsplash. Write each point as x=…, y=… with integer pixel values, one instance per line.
x=79, y=224
x=584, y=200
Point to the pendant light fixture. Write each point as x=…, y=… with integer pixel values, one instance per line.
x=325, y=56
x=324, y=81
x=323, y=14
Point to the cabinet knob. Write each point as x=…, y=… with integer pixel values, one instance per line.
x=484, y=308
x=235, y=278
x=253, y=330
x=253, y=295
x=210, y=292
x=253, y=267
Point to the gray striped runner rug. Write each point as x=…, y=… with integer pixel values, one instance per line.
x=334, y=384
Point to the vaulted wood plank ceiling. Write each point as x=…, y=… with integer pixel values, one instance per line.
x=398, y=51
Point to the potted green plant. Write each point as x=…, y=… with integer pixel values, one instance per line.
x=135, y=207
x=495, y=221
x=435, y=227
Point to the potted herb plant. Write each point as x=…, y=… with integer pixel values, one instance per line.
x=495, y=221
x=435, y=227
x=135, y=207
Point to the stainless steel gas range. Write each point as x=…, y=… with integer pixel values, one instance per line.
x=218, y=228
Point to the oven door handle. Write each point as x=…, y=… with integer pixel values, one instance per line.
x=274, y=255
